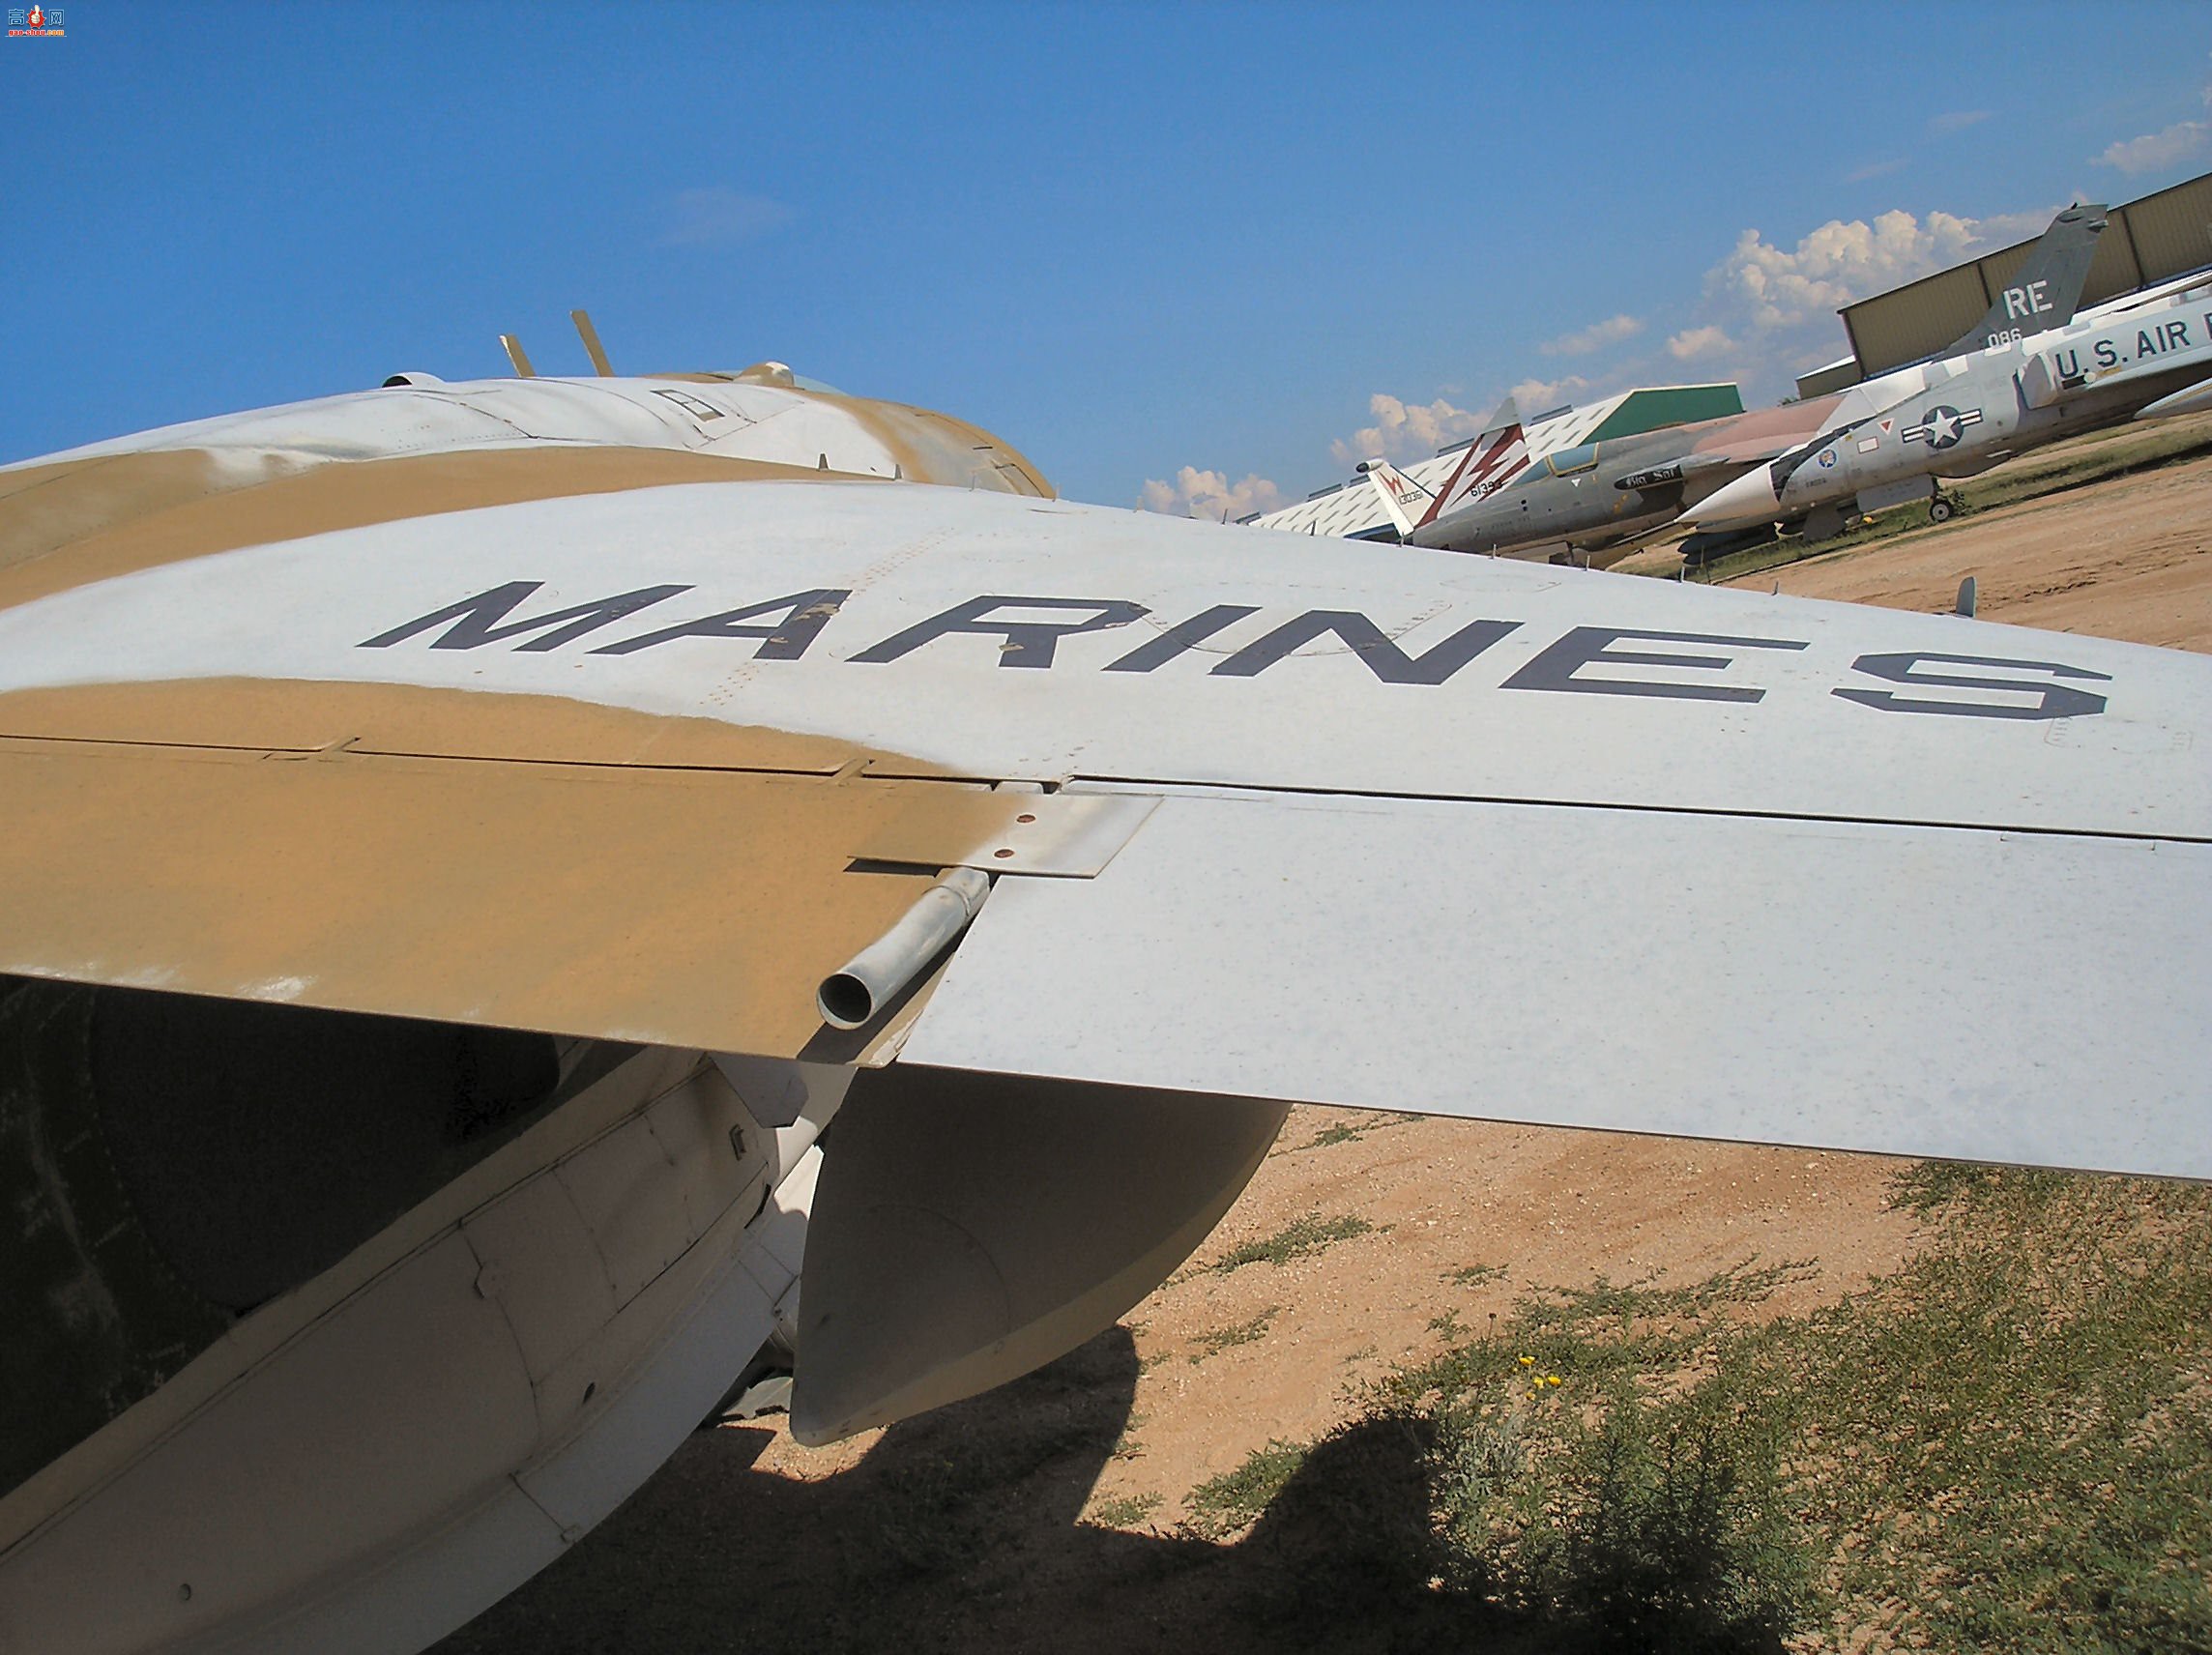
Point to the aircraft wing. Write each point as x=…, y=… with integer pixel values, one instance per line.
x=578, y=764
x=1422, y=832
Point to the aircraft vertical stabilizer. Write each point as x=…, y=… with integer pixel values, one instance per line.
x=1400, y=496
x=2047, y=287
x=1491, y=461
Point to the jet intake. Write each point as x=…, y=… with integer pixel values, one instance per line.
x=851, y=996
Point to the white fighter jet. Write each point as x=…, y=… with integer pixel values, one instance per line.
x=506, y=879
x=1973, y=412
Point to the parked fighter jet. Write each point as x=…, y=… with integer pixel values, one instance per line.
x=467, y=842
x=1578, y=503
x=1486, y=465
x=1978, y=411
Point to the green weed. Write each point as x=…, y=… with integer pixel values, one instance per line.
x=2005, y=1444
x=1219, y=1339
x=1299, y=1239
x=1221, y=1506
x=1125, y=1511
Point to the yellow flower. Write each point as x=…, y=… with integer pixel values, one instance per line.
x=1551, y=1378
x=1527, y=1361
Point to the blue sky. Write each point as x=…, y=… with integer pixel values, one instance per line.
x=1130, y=239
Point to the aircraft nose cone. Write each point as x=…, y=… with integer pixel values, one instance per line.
x=1749, y=499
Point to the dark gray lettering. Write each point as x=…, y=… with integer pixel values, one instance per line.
x=1184, y=635
x=474, y=619
x=1383, y=658
x=2054, y=700
x=1028, y=643
x=804, y=615
x=1555, y=667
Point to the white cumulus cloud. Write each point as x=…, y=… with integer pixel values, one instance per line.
x=1875, y=169
x=2162, y=148
x=1595, y=338
x=2154, y=150
x=721, y=215
x=1404, y=431
x=1542, y=396
x=1771, y=305
x=1843, y=260
x=1694, y=343
x=1196, y=493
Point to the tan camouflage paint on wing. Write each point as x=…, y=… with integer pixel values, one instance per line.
x=682, y=907
x=205, y=835
x=118, y=514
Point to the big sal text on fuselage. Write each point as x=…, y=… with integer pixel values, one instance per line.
x=786, y=629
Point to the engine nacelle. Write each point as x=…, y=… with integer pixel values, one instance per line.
x=327, y=1330
x=331, y=1329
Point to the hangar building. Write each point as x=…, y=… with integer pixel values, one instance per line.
x=1351, y=510
x=2149, y=247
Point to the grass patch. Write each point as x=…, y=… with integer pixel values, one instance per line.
x=1125, y=1511
x=2007, y=1445
x=1475, y=1275
x=1336, y=1132
x=1219, y=1339
x=1125, y=1444
x=1221, y=1506
x=1300, y=1238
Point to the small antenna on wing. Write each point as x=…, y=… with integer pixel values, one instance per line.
x=1966, y=604
x=513, y=348
x=591, y=346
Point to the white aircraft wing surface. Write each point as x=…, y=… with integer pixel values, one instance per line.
x=1926, y=991
x=1433, y=832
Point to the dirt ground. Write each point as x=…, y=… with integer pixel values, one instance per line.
x=2119, y=559
x=1090, y=1465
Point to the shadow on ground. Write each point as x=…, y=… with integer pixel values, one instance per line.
x=959, y=1530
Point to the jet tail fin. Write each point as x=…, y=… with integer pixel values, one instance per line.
x=1491, y=461
x=2045, y=292
x=1404, y=502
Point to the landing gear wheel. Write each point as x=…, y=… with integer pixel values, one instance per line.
x=1940, y=509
